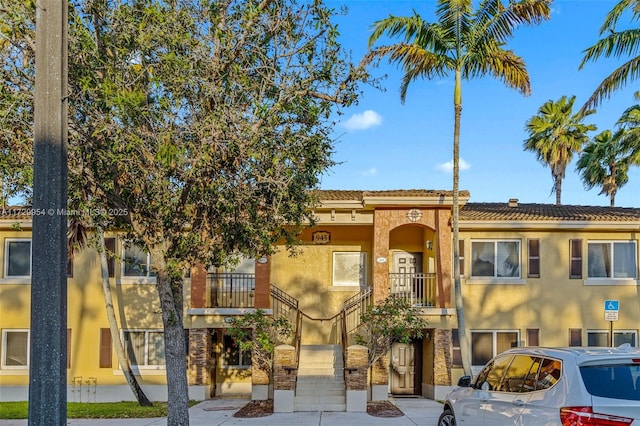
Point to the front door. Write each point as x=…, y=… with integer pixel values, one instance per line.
x=403, y=278
x=403, y=368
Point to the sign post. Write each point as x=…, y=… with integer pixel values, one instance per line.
x=611, y=308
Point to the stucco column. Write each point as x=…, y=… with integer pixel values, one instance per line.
x=444, y=258
x=381, y=230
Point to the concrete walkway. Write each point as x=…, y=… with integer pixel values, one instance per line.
x=417, y=411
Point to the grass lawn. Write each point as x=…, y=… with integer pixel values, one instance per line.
x=94, y=410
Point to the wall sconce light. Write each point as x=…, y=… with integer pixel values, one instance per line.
x=429, y=245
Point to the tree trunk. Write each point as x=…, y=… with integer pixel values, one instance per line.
x=170, y=293
x=558, y=183
x=462, y=331
x=121, y=354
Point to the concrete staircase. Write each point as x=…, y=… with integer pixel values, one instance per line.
x=320, y=385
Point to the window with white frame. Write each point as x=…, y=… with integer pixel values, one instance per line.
x=601, y=337
x=495, y=258
x=15, y=349
x=17, y=257
x=232, y=355
x=611, y=259
x=145, y=348
x=136, y=262
x=350, y=268
x=486, y=344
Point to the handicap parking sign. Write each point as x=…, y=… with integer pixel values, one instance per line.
x=611, y=308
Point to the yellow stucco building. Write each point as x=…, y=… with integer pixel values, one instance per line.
x=532, y=274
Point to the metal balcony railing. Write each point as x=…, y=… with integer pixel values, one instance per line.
x=419, y=289
x=231, y=290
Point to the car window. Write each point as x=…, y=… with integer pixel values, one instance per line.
x=530, y=381
x=549, y=374
x=613, y=381
x=491, y=377
x=514, y=380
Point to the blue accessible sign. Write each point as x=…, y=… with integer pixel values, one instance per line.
x=611, y=308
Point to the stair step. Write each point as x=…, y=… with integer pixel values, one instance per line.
x=316, y=392
x=319, y=400
x=320, y=407
x=319, y=371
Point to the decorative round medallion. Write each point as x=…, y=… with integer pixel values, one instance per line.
x=414, y=215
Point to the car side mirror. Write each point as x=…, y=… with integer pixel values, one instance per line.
x=464, y=381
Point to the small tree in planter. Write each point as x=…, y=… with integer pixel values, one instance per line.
x=260, y=334
x=390, y=321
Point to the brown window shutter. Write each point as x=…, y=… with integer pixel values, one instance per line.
x=105, y=348
x=534, y=258
x=110, y=245
x=575, y=259
x=70, y=265
x=461, y=253
x=575, y=337
x=533, y=337
x=68, y=348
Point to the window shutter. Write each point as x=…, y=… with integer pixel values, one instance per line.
x=534, y=258
x=575, y=259
x=110, y=245
x=461, y=258
x=68, y=348
x=575, y=337
x=456, y=354
x=533, y=337
x=105, y=348
x=70, y=265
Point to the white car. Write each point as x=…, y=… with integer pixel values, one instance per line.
x=576, y=386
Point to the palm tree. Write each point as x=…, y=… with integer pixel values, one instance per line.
x=555, y=134
x=615, y=44
x=467, y=43
x=604, y=162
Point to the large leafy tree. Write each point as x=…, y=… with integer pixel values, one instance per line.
x=616, y=43
x=466, y=43
x=201, y=126
x=555, y=134
x=17, y=48
x=604, y=162
x=16, y=138
x=205, y=124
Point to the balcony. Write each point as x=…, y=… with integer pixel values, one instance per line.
x=231, y=290
x=418, y=289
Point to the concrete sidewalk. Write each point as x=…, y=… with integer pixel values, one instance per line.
x=417, y=411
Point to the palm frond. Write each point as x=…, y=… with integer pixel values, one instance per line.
x=505, y=65
x=614, y=15
x=616, y=80
x=616, y=44
x=407, y=26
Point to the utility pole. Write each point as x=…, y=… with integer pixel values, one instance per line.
x=48, y=348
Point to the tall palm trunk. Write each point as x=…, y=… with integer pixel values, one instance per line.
x=121, y=354
x=462, y=330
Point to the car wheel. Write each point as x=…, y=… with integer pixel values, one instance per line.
x=447, y=418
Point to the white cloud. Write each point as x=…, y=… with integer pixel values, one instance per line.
x=448, y=166
x=363, y=121
x=371, y=172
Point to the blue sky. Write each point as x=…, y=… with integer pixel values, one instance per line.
x=383, y=144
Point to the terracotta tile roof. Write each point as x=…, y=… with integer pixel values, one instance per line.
x=545, y=212
x=359, y=195
x=15, y=213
